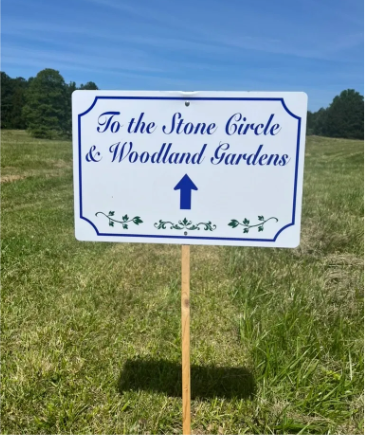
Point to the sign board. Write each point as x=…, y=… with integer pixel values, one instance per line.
x=206, y=168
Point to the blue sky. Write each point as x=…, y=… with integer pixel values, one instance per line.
x=315, y=46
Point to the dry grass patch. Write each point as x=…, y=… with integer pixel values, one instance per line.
x=11, y=178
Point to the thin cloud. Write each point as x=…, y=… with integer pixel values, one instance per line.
x=159, y=44
x=77, y=59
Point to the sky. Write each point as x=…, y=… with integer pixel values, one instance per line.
x=315, y=46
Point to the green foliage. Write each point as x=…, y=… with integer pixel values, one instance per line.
x=45, y=110
x=6, y=99
x=71, y=87
x=344, y=118
x=19, y=90
x=12, y=101
x=89, y=86
x=320, y=122
x=42, y=104
x=310, y=123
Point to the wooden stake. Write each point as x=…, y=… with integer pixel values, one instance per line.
x=185, y=331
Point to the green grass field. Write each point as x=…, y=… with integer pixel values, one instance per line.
x=91, y=331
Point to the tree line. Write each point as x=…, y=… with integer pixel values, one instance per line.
x=343, y=118
x=42, y=105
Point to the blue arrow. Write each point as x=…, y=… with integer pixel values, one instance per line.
x=185, y=185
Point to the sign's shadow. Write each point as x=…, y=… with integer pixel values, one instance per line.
x=206, y=381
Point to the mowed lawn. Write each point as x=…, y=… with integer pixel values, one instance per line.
x=91, y=331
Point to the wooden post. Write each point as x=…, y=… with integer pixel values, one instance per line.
x=185, y=331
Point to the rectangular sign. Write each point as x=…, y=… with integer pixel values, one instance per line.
x=205, y=168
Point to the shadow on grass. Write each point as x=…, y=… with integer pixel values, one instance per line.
x=206, y=381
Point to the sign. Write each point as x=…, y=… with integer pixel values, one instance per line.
x=205, y=168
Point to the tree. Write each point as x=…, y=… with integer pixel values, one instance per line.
x=12, y=101
x=320, y=122
x=43, y=105
x=71, y=87
x=6, y=97
x=45, y=110
x=310, y=122
x=345, y=116
x=20, y=86
x=89, y=86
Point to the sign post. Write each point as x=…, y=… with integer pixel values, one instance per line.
x=202, y=168
x=185, y=336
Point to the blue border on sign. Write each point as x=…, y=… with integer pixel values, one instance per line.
x=193, y=98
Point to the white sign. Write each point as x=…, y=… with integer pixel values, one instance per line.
x=212, y=168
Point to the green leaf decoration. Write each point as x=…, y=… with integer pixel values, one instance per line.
x=234, y=223
x=125, y=219
x=246, y=223
x=137, y=220
x=185, y=224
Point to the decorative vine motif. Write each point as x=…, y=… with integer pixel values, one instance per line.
x=125, y=219
x=185, y=225
x=246, y=223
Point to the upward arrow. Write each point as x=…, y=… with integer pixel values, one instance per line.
x=185, y=185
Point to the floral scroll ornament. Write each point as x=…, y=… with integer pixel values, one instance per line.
x=247, y=226
x=125, y=219
x=185, y=225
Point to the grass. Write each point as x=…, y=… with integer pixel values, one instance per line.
x=91, y=331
